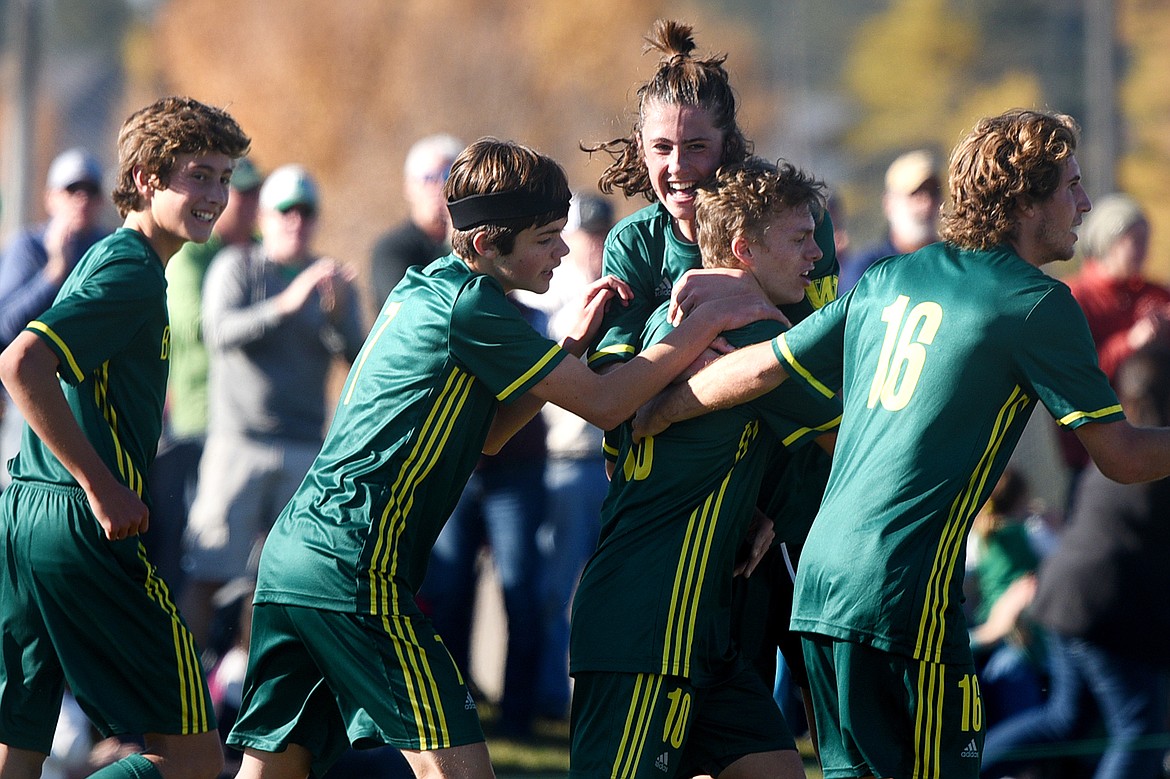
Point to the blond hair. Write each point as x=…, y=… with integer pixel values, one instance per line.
x=744, y=198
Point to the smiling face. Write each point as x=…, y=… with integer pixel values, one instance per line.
x=785, y=254
x=682, y=147
x=187, y=207
x=536, y=253
x=1046, y=232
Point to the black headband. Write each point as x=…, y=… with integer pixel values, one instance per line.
x=477, y=210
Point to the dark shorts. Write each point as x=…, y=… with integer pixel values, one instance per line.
x=329, y=679
x=885, y=715
x=635, y=726
x=77, y=608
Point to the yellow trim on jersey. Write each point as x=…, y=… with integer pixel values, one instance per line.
x=1068, y=419
x=130, y=473
x=41, y=327
x=928, y=721
x=932, y=625
x=432, y=438
x=691, y=571
x=528, y=374
x=688, y=583
x=616, y=349
x=388, y=314
x=194, y=704
x=780, y=344
x=638, y=720
x=802, y=432
x=426, y=703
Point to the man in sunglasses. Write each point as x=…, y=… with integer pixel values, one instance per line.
x=34, y=264
x=425, y=233
x=276, y=315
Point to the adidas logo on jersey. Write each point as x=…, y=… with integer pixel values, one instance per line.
x=971, y=751
x=662, y=291
x=470, y=703
x=662, y=762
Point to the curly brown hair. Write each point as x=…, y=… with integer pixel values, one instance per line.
x=743, y=198
x=152, y=137
x=491, y=165
x=680, y=80
x=1005, y=163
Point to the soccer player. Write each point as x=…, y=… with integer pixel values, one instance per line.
x=79, y=600
x=341, y=652
x=940, y=356
x=661, y=690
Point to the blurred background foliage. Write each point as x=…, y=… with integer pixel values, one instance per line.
x=345, y=86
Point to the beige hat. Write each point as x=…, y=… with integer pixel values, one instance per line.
x=910, y=171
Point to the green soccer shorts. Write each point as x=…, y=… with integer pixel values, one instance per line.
x=77, y=608
x=328, y=679
x=881, y=714
x=650, y=726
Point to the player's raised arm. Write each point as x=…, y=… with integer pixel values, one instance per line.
x=732, y=379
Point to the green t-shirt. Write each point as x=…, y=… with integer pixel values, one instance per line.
x=656, y=595
x=410, y=424
x=940, y=356
x=644, y=251
x=187, y=409
x=108, y=327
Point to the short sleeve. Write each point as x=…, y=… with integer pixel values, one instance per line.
x=813, y=351
x=98, y=318
x=1058, y=361
x=491, y=339
x=621, y=327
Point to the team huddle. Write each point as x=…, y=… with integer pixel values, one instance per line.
x=907, y=397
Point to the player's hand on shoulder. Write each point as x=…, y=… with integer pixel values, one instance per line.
x=703, y=284
x=740, y=310
x=595, y=300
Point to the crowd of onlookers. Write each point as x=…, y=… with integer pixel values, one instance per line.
x=1066, y=602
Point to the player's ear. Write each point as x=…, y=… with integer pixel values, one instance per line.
x=483, y=245
x=741, y=249
x=144, y=182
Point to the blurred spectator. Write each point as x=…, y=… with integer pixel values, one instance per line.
x=1101, y=599
x=502, y=505
x=1001, y=566
x=910, y=202
x=425, y=234
x=174, y=472
x=575, y=475
x=36, y=261
x=1124, y=310
x=275, y=316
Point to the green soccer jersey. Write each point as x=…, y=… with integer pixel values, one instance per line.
x=655, y=597
x=410, y=424
x=108, y=328
x=940, y=356
x=644, y=251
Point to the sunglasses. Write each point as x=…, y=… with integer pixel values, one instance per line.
x=436, y=176
x=83, y=186
x=304, y=211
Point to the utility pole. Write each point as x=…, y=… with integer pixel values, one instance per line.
x=1101, y=115
x=24, y=35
